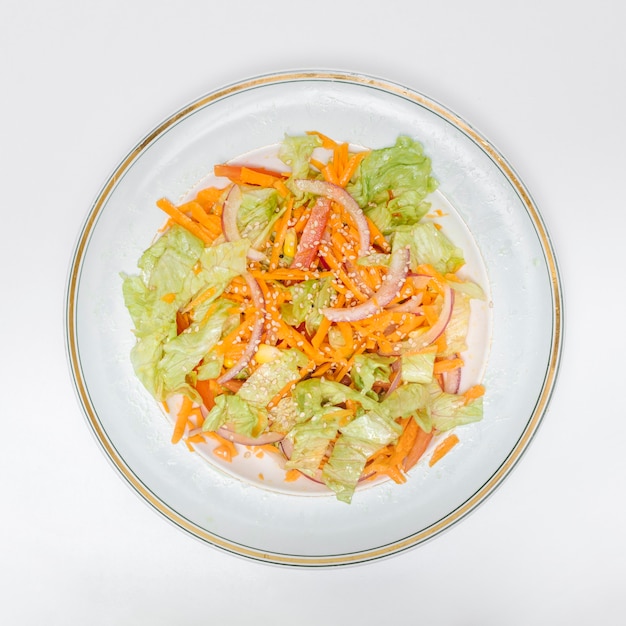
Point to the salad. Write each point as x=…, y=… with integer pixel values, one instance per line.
x=311, y=309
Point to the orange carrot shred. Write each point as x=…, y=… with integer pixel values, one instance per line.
x=443, y=448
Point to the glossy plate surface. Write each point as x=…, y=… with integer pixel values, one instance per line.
x=515, y=351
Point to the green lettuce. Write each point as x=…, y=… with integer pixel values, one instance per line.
x=269, y=378
x=184, y=352
x=307, y=299
x=410, y=399
x=418, y=367
x=391, y=184
x=296, y=150
x=240, y=415
x=359, y=440
x=162, y=358
x=311, y=440
x=449, y=410
x=429, y=245
x=257, y=213
x=369, y=369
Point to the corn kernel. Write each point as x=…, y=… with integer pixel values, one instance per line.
x=289, y=245
x=266, y=353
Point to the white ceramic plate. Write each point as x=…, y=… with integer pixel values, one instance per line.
x=516, y=333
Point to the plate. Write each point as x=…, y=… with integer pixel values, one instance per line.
x=250, y=510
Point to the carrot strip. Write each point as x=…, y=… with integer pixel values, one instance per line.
x=181, y=419
x=351, y=167
x=181, y=219
x=281, y=231
x=327, y=142
x=473, y=392
x=208, y=197
x=447, y=365
x=443, y=448
x=422, y=439
x=255, y=177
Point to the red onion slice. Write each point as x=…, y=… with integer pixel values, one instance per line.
x=435, y=331
x=398, y=268
x=229, y=221
x=340, y=195
x=257, y=330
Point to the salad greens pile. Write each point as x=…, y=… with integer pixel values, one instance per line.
x=268, y=315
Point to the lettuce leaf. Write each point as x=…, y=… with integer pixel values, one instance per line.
x=257, y=213
x=391, y=184
x=296, y=150
x=238, y=414
x=369, y=369
x=429, y=245
x=185, y=351
x=418, y=367
x=307, y=299
x=449, y=410
x=268, y=379
x=361, y=438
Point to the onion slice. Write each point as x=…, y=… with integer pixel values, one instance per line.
x=257, y=330
x=436, y=330
x=398, y=268
x=340, y=195
x=452, y=379
x=229, y=221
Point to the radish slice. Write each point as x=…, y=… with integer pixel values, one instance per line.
x=312, y=234
x=229, y=221
x=257, y=331
x=340, y=195
x=228, y=433
x=394, y=280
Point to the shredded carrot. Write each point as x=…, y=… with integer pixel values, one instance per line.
x=182, y=220
x=443, y=448
x=168, y=297
x=292, y=475
x=351, y=167
x=281, y=232
x=447, y=365
x=208, y=197
x=255, y=177
x=226, y=450
x=473, y=392
x=181, y=419
x=327, y=142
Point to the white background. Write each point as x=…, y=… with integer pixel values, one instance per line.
x=82, y=82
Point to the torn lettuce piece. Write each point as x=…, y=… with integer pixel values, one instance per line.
x=307, y=299
x=311, y=441
x=391, y=184
x=450, y=410
x=358, y=440
x=369, y=369
x=241, y=416
x=270, y=378
x=315, y=395
x=429, y=246
x=185, y=351
x=417, y=367
x=410, y=399
x=257, y=213
x=296, y=150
